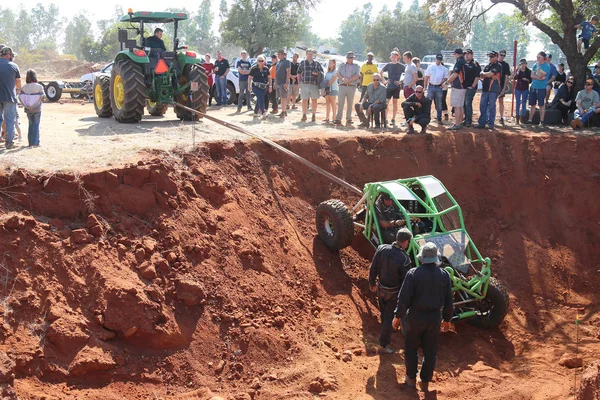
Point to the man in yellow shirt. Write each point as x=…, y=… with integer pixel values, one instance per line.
x=366, y=75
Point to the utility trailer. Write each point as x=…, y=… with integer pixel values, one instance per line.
x=55, y=89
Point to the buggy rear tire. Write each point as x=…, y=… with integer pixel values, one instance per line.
x=127, y=91
x=334, y=224
x=199, y=100
x=102, y=97
x=53, y=92
x=495, y=305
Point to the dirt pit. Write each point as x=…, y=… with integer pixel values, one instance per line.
x=200, y=274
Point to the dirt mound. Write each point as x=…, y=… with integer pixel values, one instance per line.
x=204, y=275
x=590, y=382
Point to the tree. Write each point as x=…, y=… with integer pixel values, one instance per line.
x=397, y=29
x=76, y=33
x=498, y=33
x=23, y=40
x=254, y=25
x=559, y=26
x=8, y=28
x=45, y=25
x=353, y=29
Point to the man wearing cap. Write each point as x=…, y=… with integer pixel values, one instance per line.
x=209, y=67
x=282, y=80
x=411, y=75
x=424, y=299
x=436, y=75
x=348, y=78
x=588, y=104
x=503, y=83
x=472, y=70
x=388, y=268
x=458, y=92
x=374, y=102
x=366, y=75
x=243, y=66
x=310, y=73
x=489, y=92
x=539, y=76
x=551, y=77
x=417, y=110
x=393, y=83
x=10, y=84
x=221, y=71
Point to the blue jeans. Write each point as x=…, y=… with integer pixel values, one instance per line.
x=221, y=83
x=436, y=94
x=521, y=96
x=8, y=114
x=469, y=96
x=244, y=92
x=586, y=116
x=260, y=94
x=33, y=135
x=487, y=108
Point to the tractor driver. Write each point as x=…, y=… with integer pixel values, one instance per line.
x=156, y=42
x=389, y=216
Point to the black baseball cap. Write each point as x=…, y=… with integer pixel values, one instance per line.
x=439, y=57
x=492, y=53
x=458, y=51
x=502, y=52
x=522, y=61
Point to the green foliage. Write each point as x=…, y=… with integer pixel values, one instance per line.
x=77, y=32
x=353, y=29
x=398, y=29
x=254, y=25
x=498, y=33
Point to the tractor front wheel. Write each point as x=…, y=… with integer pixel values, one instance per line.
x=156, y=109
x=334, y=224
x=127, y=91
x=493, y=307
x=199, y=98
x=102, y=96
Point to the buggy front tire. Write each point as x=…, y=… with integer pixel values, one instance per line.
x=334, y=224
x=493, y=307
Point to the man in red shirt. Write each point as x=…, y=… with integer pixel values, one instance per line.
x=208, y=66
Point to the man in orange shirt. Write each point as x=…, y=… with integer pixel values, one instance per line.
x=272, y=94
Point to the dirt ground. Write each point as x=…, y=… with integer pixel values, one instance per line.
x=138, y=265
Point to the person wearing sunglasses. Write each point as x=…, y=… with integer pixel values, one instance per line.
x=521, y=81
x=258, y=82
x=564, y=99
x=588, y=104
x=374, y=102
x=417, y=110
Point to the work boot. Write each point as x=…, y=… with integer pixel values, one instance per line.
x=445, y=117
x=576, y=124
x=410, y=382
x=314, y=118
x=411, y=130
x=518, y=120
x=424, y=386
x=501, y=121
x=275, y=111
x=303, y=118
x=424, y=130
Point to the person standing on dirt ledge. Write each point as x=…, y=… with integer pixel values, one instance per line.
x=155, y=41
x=221, y=71
x=425, y=291
x=10, y=84
x=388, y=268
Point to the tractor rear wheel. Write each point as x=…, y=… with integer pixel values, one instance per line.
x=199, y=101
x=334, y=224
x=102, y=97
x=156, y=109
x=493, y=307
x=127, y=91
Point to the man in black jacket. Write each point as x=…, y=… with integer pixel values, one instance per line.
x=425, y=298
x=417, y=110
x=386, y=274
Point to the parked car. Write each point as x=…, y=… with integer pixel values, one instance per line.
x=89, y=78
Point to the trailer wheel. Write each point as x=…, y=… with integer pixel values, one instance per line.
x=53, y=92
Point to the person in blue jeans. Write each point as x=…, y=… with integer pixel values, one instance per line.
x=540, y=73
x=472, y=70
x=258, y=83
x=490, y=90
x=588, y=104
x=243, y=67
x=10, y=83
x=436, y=75
x=521, y=81
x=588, y=28
x=221, y=70
x=31, y=97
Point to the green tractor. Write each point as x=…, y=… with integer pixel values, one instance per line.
x=435, y=217
x=149, y=77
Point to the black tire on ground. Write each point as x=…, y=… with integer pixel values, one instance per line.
x=127, y=91
x=156, y=109
x=495, y=305
x=102, y=98
x=334, y=224
x=199, y=101
x=231, y=95
x=53, y=92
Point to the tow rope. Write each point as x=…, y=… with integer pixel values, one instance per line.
x=290, y=153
